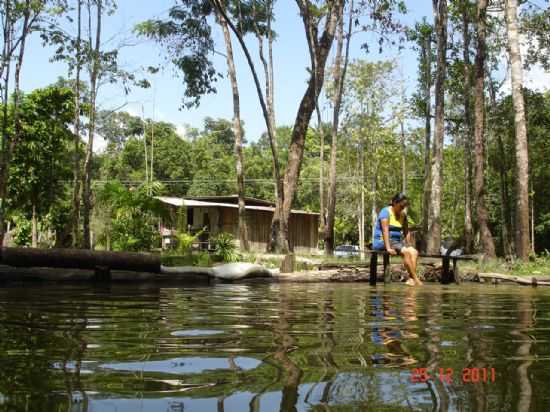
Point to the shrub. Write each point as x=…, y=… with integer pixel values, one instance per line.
x=225, y=249
x=185, y=241
x=203, y=259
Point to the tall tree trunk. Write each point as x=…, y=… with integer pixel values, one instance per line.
x=237, y=130
x=403, y=159
x=287, y=187
x=427, y=190
x=505, y=225
x=87, y=180
x=269, y=118
x=434, y=237
x=362, y=236
x=532, y=200
x=34, y=230
x=8, y=149
x=434, y=226
x=321, y=172
x=329, y=228
x=270, y=97
x=340, y=67
x=321, y=48
x=482, y=214
x=522, y=154
x=6, y=66
x=151, y=172
x=75, y=216
x=468, y=226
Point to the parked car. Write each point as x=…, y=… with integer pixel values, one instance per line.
x=346, y=251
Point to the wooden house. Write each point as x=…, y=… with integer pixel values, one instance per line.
x=220, y=214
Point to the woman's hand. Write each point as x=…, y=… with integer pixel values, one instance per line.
x=392, y=251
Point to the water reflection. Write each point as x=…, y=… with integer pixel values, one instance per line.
x=286, y=347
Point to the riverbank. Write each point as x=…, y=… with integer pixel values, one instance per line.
x=26, y=264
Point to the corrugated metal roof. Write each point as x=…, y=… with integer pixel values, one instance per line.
x=232, y=199
x=178, y=201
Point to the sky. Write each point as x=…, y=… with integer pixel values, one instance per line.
x=163, y=101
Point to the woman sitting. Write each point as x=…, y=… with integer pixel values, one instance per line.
x=391, y=228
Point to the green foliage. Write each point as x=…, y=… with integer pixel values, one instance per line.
x=203, y=259
x=186, y=240
x=537, y=107
x=41, y=158
x=535, y=24
x=23, y=229
x=130, y=214
x=225, y=249
x=187, y=37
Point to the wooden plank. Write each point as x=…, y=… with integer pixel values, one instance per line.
x=423, y=255
x=510, y=278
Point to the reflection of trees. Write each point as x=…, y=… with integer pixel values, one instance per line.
x=440, y=396
x=75, y=353
x=328, y=343
x=285, y=344
x=478, y=351
x=33, y=336
x=348, y=349
x=523, y=352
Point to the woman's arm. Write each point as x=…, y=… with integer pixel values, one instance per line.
x=406, y=233
x=386, y=235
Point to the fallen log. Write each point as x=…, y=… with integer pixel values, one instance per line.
x=522, y=280
x=12, y=273
x=80, y=259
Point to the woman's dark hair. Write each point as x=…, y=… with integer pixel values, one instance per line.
x=398, y=198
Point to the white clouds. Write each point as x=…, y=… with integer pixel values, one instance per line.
x=181, y=131
x=536, y=78
x=100, y=144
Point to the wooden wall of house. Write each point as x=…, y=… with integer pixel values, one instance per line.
x=303, y=232
x=303, y=229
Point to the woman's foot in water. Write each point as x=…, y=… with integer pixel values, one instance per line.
x=410, y=282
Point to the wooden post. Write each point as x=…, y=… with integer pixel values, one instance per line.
x=456, y=272
x=387, y=274
x=445, y=276
x=289, y=263
x=373, y=264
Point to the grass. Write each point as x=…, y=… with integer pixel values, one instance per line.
x=537, y=265
x=201, y=259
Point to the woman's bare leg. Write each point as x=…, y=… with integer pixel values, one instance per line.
x=410, y=256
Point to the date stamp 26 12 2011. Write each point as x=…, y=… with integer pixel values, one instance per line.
x=447, y=375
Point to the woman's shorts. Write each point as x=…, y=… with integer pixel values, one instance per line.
x=394, y=244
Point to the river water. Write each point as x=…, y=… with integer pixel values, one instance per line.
x=274, y=347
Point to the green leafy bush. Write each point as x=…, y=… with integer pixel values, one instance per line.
x=185, y=242
x=22, y=232
x=129, y=216
x=203, y=259
x=225, y=249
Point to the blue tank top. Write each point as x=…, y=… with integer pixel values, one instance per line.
x=395, y=227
